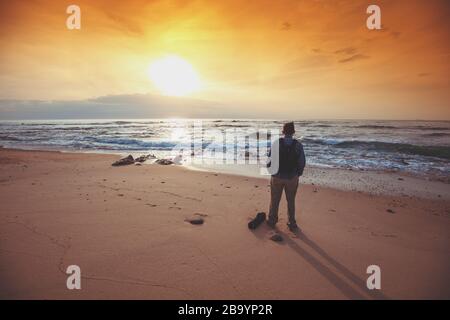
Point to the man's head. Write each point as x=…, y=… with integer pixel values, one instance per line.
x=288, y=128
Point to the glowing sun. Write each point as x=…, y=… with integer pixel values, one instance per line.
x=174, y=76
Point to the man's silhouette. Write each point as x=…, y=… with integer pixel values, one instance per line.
x=291, y=163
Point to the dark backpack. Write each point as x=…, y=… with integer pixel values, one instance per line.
x=288, y=157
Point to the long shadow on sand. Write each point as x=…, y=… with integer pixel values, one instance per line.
x=335, y=278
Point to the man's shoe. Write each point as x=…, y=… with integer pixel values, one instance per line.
x=293, y=227
x=260, y=217
x=271, y=224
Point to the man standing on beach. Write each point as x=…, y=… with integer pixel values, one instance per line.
x=291, y=163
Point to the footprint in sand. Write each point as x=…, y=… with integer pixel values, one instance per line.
x=195, y=221
x=197, y=218
x=203, y=215
x=276, y=237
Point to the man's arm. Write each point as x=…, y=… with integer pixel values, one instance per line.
x=301, y=159
x=274, y=146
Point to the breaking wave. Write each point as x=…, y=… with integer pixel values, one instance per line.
x=405, y=148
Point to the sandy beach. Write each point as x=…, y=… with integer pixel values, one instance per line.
x=126, y=228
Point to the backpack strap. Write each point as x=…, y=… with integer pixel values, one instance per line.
x=294, y=143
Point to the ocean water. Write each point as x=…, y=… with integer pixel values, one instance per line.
x=421, y=148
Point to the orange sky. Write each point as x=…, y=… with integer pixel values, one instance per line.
x=289, y=58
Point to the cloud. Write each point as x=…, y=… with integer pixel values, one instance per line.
x=109, y=107
x=124, y=106
x=347, y=51
x=354, y=58
x=286, y=26
x=125, y=24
